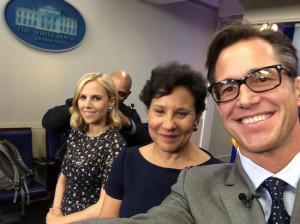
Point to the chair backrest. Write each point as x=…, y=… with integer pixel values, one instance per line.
x=52, y=144
x=22, y=140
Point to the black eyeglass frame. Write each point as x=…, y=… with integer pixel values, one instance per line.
x=241, y=81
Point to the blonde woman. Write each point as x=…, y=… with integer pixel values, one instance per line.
x=93, y=143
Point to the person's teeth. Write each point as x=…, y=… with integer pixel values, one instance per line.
x=251, y=120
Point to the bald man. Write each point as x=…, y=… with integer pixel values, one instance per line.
x=57, y=119
x=132, y=129
x=123, y=84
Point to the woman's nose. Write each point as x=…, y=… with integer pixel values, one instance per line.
x=169, y=123
x=88, y=103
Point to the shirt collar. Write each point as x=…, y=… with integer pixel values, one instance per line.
x=290, y=174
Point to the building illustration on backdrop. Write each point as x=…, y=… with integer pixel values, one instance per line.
x=46, y=18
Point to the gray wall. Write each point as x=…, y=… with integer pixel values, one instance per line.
x=121, y=34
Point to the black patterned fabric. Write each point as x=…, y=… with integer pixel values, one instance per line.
x=86, y=166
x=276, y=187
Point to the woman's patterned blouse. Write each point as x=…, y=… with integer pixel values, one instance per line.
x=86, y=166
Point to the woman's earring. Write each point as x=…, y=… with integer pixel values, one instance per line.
x=109, y=109
x=195, y=127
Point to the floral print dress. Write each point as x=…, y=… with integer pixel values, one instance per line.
x=86, y=166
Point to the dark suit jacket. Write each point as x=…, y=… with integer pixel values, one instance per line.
x=208, y=195
x=141, y=136
x=57, y=119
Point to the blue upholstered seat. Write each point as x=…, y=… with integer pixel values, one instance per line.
x=22, y=139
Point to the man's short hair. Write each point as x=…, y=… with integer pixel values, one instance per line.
x=241, y=30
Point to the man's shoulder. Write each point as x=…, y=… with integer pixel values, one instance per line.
x=69, y=101
x=204, y=181
x=130, y=113
x=214, y=171
x=213, y=168
x=124, y=107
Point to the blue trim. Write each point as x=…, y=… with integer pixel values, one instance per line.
x=233, y=154
x=289, y=31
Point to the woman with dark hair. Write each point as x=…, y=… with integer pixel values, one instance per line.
x=141, y=177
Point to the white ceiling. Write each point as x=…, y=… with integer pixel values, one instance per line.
x=227, y=9
x=161, y=2
x=212, y=3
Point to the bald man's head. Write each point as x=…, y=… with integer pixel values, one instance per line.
x=123, y=83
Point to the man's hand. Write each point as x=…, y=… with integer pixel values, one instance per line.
x=126, y=122
x=71, y=110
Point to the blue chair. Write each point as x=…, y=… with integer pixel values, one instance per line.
x=53, y=143
x=22, y=139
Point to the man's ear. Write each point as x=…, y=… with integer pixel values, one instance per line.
x=297, y=86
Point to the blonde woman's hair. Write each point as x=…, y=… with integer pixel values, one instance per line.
x=113, y=121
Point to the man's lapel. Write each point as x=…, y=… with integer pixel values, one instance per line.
x=236, y=183
x=295, y=218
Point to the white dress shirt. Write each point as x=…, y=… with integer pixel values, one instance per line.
x=290, y=174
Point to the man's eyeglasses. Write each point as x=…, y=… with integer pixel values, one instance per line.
x=261, y=80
